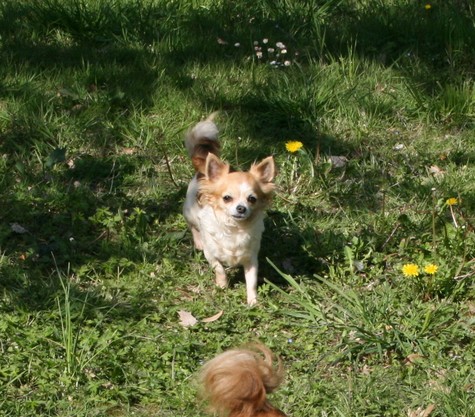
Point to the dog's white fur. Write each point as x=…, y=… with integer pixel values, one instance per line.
x=225, y=210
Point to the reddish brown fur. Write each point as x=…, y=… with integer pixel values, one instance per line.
x=211, y=192
x=236, y=382
x=218, y=178
x=202, y=141
x=201, y=151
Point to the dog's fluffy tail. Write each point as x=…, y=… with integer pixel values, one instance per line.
x=236, y=382
x=202, y=140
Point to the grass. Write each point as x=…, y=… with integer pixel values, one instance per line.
x=95, y=258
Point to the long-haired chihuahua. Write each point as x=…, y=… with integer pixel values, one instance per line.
x=224, y=208
x=236, y=382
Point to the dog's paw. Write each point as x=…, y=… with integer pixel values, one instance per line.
x=198, y=246
x=221, y=280
x=251, y=301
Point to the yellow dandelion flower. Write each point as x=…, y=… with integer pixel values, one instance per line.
x=428, y=6
x=410, y=270
x=452, y=201
x=293, y=146
x=431, y=269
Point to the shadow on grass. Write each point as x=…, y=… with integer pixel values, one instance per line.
x=113, y=45
x=57, y=34
x=123, y=47
x=293, y=249
x=77, y=217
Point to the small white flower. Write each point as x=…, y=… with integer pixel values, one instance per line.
x=259, y=54
x=265, y=40
x=280, y=45
x=283, y=51
x=256, y=43
x=287, y=63
x=270, y=50
x=237, y=44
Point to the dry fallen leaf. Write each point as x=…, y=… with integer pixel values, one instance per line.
x=128, y=151
x=17, y=228
x=436, y=171
x=421, y=412
x=338, y=161
x=413, y=358
x=186, y=318
x=366, y=370
x=213, y=318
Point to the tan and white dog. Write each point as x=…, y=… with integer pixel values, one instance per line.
x=224, y=208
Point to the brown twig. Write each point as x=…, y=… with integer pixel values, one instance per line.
x=169, y=169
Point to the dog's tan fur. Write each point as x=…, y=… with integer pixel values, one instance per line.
x=236, y=382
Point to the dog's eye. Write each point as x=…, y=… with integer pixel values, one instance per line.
x=251, y=199
x=227, y=198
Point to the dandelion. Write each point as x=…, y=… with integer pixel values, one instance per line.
x=293, y=146
x=431, y=269
x=428, y=6
x=452, y=201
x=410, y=270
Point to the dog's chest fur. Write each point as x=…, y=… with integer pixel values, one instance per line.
x=230, y=242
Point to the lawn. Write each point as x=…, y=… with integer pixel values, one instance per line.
x=367, y=263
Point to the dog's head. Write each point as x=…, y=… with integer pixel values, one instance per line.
x=239, y=195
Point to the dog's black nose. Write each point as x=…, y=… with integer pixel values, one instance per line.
x=241, y=209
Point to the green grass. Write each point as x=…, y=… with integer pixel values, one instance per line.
x=95, y=257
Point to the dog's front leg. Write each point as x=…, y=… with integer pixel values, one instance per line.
x=197, y=238
x=250, y=273
x=221, y=278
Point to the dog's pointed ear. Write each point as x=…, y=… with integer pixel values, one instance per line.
x=265, y=171
x=215, y=168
